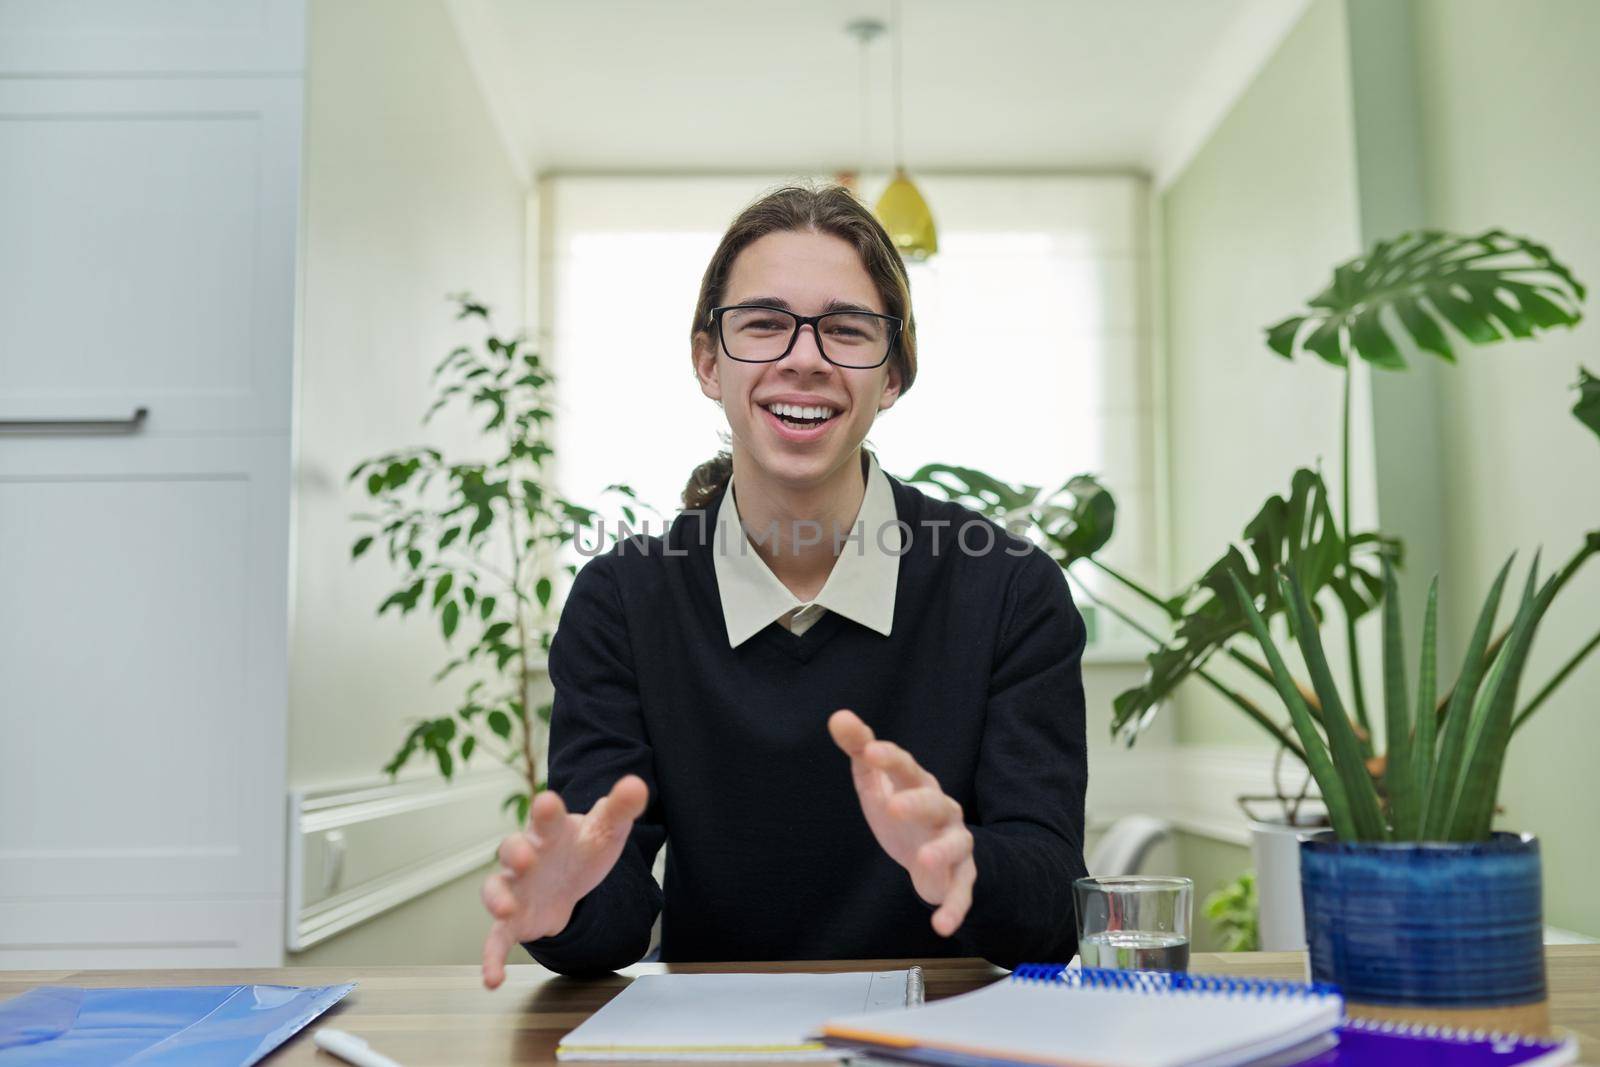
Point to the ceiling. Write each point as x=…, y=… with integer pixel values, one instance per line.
x=767, y=85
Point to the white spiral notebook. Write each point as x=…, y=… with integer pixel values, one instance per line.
x=734, y=1016
x=1065, y=1017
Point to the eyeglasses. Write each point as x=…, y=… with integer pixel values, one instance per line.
x=753, y=333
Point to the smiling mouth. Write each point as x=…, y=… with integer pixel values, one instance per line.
x=801, y=417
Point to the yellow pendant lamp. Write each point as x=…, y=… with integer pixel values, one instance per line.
x=905, y=215
x=901, y=208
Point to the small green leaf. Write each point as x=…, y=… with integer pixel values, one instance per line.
x=1587, y=409
x=360, y=547
x=468, y=745
x=441, y=588
x=542, y=590
x=414, y=557
x=500, y=723
x=1280, y=338
x=412, y=594
x=449, y=536
x=374, y=484
x=519, y=803
x=448, y=620
x=486, y=608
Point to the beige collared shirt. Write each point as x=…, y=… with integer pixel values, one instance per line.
x=860, y=587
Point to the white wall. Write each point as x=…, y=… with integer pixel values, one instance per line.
x=1509, y=140
x=408, y=196
x=1252, y=227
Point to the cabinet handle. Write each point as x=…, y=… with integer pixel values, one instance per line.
x=132, y=424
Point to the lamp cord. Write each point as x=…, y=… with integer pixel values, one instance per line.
x=866, y=119
x=895, y=27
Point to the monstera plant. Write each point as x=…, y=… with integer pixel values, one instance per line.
x=1433, y=289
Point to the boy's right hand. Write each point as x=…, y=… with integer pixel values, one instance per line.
x=550, y=866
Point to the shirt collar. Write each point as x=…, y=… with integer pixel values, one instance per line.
x=861, y=586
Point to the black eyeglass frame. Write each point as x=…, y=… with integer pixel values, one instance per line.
x=896, y=322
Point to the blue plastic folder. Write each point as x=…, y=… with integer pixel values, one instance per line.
x=183, y=1026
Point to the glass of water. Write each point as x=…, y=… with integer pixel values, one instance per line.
x=1134, y=923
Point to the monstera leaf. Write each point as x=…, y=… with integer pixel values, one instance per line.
x=1486, y=287
x=1297, y=535
x=981, y=492
x=1077, y=520
x=1587, y=409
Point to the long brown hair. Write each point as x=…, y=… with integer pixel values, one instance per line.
x=829, y=209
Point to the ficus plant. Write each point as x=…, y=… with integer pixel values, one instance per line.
x=1434, y=289
x=475, y=543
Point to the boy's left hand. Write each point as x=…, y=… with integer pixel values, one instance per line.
x=920, y=827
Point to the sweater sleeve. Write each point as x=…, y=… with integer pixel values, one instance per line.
x=1031, y=776
x=597, y=735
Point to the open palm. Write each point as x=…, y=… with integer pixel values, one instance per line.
x=915, y=822
x=551, y=866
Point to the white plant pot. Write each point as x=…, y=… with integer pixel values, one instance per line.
x=1275, y=847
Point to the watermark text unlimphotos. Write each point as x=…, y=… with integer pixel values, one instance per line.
x=972, y=537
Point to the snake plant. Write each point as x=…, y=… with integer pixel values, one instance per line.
x=1439, y=776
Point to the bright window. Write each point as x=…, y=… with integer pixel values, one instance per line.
x=1031, y=325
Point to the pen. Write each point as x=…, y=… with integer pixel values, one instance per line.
x=351, y=1049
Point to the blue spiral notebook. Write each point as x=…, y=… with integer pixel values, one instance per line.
x=1061, y=1017
x=180, y=1026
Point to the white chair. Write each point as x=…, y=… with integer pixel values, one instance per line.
x=1126, y=845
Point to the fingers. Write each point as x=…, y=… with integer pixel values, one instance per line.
x=516, y=853
x=496, y=947
x=629, y=797
x=953, y=911
x=547, y=816
x=615, y=812
x=926, y=805
x=897, y=763
x=947, y=850
x=849, y=732
x=498, y=897
x=859, y=743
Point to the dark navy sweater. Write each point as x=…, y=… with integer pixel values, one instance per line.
x=770, y=855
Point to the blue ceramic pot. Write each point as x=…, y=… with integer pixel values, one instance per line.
x=1426, y=924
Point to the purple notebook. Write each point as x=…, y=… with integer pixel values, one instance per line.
x=1373, y=1044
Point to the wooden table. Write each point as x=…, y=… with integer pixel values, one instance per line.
x=425, y=1016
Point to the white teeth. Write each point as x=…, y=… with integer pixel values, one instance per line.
x=797, y=411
